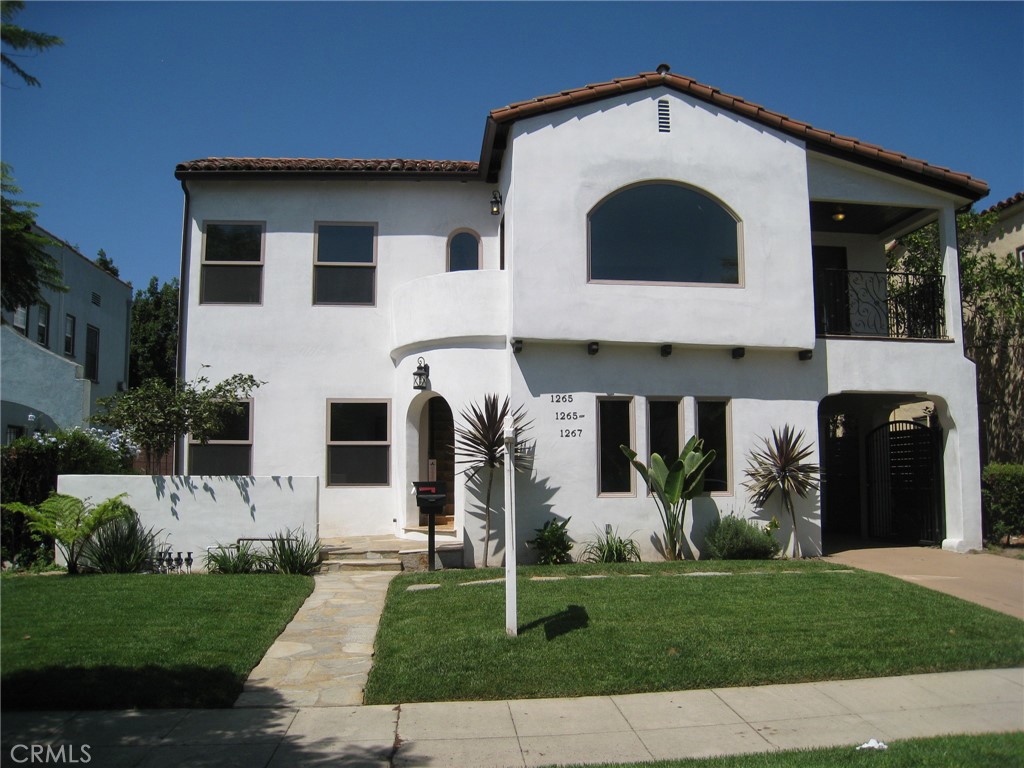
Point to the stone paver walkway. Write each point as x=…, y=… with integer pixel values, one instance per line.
x=323, y=657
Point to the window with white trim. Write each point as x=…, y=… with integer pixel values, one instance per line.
x=228, y=451
x=20, y=320
x=232, y=266
x=713, y=429
x=69, y=335
x=358, y=442
x=345, y=263
x=663, y=232
x=463, y=251
x=43, y=325
x=614, y=429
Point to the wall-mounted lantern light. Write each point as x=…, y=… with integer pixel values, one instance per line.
x=805, y=354
x=421, y=376
x=496, y=203
x=666, y=350
x=738, y=352
x=517, y=345
x=593, y=347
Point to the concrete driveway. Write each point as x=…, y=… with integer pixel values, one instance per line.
x=991, y=580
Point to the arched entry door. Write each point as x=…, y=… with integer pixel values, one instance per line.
x=440, y=455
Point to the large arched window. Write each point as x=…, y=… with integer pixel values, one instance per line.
x=661, y=232
x=463, y=251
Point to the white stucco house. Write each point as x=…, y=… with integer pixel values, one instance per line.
x=635, y=262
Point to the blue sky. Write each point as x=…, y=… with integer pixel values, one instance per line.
x=140, y=87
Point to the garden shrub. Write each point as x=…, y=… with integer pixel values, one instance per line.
x=736, y=538
x=235, y=559
x=609, y=547
x=1002, y=489
x=552, y=543
x=121, y=546
x=29, y=467
x=293, y=552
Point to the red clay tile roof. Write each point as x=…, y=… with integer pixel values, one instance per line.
x=1002, y=205
x=252, y=166
x=826, y=141
x=500, y=121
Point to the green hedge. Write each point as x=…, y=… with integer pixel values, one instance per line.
x=1002, y=490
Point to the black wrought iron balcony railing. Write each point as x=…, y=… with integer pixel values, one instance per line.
x=895, y=305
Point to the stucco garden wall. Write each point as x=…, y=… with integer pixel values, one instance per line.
x=195, y=513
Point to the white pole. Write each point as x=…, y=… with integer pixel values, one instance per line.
x=511, y=605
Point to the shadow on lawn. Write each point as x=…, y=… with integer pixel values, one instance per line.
x=561, y=623
x=110, y=687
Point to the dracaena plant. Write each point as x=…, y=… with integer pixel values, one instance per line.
x=673, y=486
x=780, y=466
x=480, y=443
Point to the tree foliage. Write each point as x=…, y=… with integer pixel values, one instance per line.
x=154, y=337
x=27, y=267
x=106, y=263
x=155, y=415
x=21, y=39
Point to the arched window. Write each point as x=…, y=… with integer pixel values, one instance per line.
x=661, y=232
x=463, y=251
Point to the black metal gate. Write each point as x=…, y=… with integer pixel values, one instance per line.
x=905, y=483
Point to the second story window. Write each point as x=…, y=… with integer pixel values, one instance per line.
x=660, y=232
x=345, y=264
x=69, y=335
x=232, y=268
x=20, y=320
x=43, y=326
x=463, y=252
x=92, y=353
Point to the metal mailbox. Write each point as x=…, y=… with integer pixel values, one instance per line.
x=430, y=494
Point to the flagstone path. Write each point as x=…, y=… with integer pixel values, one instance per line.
x=323, y=657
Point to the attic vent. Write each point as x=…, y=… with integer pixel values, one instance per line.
x=664, y=124
x=97, y=299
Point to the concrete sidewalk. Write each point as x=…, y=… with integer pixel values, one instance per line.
x=535, y=732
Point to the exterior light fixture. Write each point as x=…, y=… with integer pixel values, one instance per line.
x=805, y=354
x=839, y=214
x=592, y=348
x=421, y=375
x=738, y=352
x=496, y=203
x=517, y=345
x=666, y=350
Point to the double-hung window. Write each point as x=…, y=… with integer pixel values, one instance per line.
x=713, y=429
x=232, y=267
x=20, y=320
x=69, y=335
x=228, y=451
x=43, y=325
x=615, y=428
x=358, y=442
x=92, y=353
x=345, y=264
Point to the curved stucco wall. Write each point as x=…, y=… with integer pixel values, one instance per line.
x=34, y=379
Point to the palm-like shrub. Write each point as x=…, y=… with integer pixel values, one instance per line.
x=781, y=465
x=480, y=443
x=673, y=486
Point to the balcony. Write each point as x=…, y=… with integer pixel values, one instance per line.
x=888, y=305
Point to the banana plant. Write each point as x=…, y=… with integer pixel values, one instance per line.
x=673, y=486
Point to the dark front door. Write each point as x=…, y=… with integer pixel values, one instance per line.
x=441, y=455
x=831, y=291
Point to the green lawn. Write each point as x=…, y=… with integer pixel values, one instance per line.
x=767, y=622
x=98, y=642
x=1001, y=750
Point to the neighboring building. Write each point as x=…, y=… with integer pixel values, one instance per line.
x=1001, y=374
x=633, y=262
x=60, y=356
